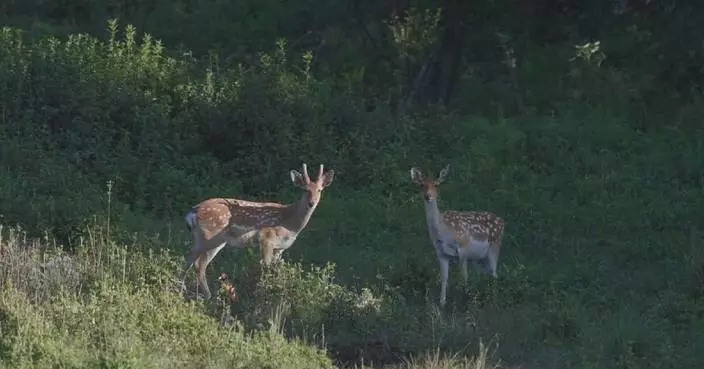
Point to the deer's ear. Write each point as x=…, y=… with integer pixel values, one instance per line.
x=328, y=177
x=416, y=176
x=297, y=178
x=443, y=174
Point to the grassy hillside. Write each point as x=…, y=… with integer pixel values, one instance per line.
x=602, y=264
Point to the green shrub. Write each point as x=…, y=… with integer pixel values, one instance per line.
x=110, y=306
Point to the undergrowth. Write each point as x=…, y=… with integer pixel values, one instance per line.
x=108, y=305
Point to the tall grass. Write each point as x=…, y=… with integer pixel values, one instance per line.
x=113, y=306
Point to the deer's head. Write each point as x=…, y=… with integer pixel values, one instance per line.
x=429, y=185
x=313, y=188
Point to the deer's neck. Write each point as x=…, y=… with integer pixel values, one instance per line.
x=442, y=238
x=433, y=217
x=297, y=215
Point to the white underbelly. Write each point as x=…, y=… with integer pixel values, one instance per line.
x=475, y=250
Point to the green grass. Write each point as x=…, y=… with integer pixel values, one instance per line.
x=602, y=263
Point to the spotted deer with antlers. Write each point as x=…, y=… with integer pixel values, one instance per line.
x=466, y=235
x=217, y=222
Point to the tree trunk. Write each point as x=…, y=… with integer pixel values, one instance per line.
x=445, y=65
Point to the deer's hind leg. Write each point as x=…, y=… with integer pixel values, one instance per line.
x=197, y=248
x=213, y=247
x=493, y=259
x=201, y=264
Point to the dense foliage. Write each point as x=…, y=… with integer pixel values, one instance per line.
x=577, y=123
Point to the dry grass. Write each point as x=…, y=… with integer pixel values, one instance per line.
x=438, y=360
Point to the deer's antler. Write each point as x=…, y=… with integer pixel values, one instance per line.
x=305, y=173
x=320, y=173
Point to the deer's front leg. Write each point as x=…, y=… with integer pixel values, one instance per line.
x=278, y=255
x=273, y=242
x=444, y=271
x=463, y=268
x=267, y=252
x=267, y=245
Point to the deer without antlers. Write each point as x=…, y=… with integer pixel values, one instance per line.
x=466, y=235
x=217, y=222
